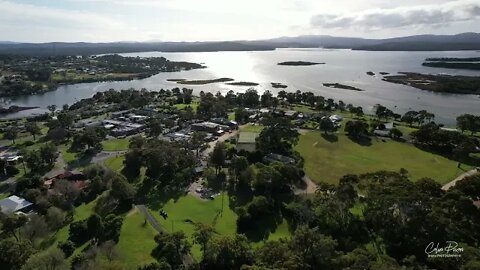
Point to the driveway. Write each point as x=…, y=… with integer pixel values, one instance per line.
x=448, y=185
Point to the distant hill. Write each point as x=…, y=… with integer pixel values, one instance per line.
x=82, y=48
x=464, y=41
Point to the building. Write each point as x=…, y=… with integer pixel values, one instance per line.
x=278, y=158
x=209, y=127
x=383, y=130
x=247, y=141
x=14, y=204
x=225, y=122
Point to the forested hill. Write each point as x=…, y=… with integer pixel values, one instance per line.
x=464, y=41
x=82, y=48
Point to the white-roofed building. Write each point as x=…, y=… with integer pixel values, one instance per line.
x=15, y=204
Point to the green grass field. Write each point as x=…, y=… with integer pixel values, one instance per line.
x=115, y=163
x=328, y=161
x=193, y=105
x=136, y=241
x=115, y=144
x=206, y=212
x=252, y=128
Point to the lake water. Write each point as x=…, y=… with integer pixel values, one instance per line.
x=342, y=66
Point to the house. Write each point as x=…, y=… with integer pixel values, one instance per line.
x=209, y=127
x=278, y=158
x=336, y=118
x=290, y=114
x=247, y=141
x=77, y=180
x=14, y=204
x=383, y=130
x=225, y=122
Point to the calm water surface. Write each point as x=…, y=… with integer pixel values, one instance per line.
x=342, y=66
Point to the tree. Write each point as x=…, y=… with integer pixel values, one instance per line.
x=395, y=133
x=51, y=259
x=228, y=252
x=48, y=154
x=11, y=133
x=33, y=129
x=162, y=265
x=66, y=119
x=52, y=108
x=356, y=129
x=468, y=122
x=409, y=117
x=35, y=228
x=68, y=247
x=133, y=162
x=171, y=248
x=13, y=254
x=95, y=226
x=238, y=165
x=155, y=127
x=279, y=136
x=326, y=125
x=315, y=249
x=198, y=141
x=218, y=156
x=55, y=218
x=202, y=234
x=11, y=223
x=122, y=190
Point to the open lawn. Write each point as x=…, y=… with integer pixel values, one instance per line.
x=328, y=161
x=136, y=241
x=115, y=163
x=193, y=105
x=188, y=210
x=115, y=144
x=252, y=128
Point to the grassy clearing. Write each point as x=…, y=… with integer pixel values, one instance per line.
x=115, y=163
x=252, y=128
x=328, y=161
x=136, y=241
x=193, y=105
x=115, y=144
x=197, y=211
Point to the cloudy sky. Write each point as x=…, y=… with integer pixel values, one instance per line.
x=191, y=20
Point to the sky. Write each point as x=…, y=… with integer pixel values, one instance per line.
x=211, y=20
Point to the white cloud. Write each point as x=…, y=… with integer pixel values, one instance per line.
x=425, y=15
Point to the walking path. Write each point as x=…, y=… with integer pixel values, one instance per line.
x=310, y=187
x=448, y=185
x=187, y=259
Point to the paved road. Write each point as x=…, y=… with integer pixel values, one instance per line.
x=150, y=218
x=102, y=156
x=448, y=185
x=310, y=187
x=211, y=145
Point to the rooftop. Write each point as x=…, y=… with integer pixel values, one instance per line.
x=247, y=137
x=13, y=204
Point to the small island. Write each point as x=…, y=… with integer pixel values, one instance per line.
x=202, y=82
x=371, y=73
x=28, y=75
x=437, y=83
x=342, y=86
x=243, y=84
x=278, y=85
x=472, y=63
x=384, y=73
x=299, y=63
x=175, y=80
